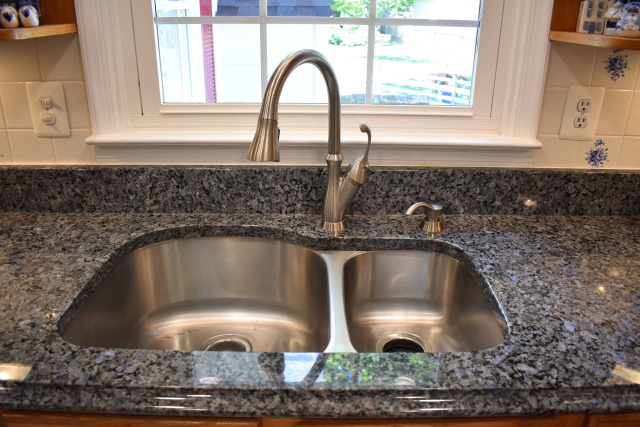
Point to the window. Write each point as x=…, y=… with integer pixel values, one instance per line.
x=418, y=52
x=180, y=104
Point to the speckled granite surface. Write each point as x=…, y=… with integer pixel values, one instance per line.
x=568, y=286
x=299, y=190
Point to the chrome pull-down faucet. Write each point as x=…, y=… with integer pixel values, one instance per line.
x=340, y=191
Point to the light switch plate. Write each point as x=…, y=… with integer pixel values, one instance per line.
x=581, y=113
x=40, y=115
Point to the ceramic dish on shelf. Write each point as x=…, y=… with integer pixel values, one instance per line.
x=9, y=17
x=29, y=16
x=629, y=24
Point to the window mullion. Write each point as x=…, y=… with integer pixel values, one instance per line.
x=263, y=46
x=371, y=42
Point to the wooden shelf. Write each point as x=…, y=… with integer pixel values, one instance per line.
x=595, y=40
x=563, y=26
x=41, y=31
x=58, y=17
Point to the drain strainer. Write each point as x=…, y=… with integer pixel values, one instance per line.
x=226, y=342
x=402, y=342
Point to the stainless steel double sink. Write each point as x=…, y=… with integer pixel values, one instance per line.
x=255, y=294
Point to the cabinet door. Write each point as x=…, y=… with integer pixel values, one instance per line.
x=542, y=421
x=614, y=420
x=45, y=419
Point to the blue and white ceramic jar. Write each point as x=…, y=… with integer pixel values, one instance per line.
x=629, y=23
x=9, y=17
x=29, y=16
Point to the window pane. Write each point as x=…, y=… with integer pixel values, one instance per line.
x=195, y=8
x=463, y=10
x=350, y=8
x=209, y=63
x=424, y=65
x=299, y=8
x=306, y=84
x=333, y=8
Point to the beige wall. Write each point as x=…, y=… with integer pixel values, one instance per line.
x=619, y=124
x=58, y=59
x=41, y=60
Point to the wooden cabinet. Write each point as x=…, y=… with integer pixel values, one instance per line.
x=542, y=421
x=563, y=28
x=58, y=17
x=614, y=420
x=44, y=419
x=49, y=419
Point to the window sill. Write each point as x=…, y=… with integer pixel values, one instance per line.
x=146, y=147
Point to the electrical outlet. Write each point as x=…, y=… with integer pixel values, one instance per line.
x=581, y=113
x=584, y=105
x=580, y=121
x=48, y=109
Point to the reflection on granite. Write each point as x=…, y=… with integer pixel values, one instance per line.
x=624, y=375
x=568, y=287
x=316, y=370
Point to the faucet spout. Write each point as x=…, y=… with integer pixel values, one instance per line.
x=265, y=142
x=267, y=135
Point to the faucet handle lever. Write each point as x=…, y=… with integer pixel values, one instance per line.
x=431, y=221
x=365, y=128
x=357, y=170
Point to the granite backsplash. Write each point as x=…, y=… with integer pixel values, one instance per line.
x=300, y=189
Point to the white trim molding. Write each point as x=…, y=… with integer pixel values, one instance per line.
x=200, y=149
x=505, y=136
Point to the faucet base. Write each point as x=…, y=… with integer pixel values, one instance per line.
x=333, y=226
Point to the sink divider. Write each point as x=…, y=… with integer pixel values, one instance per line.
x=339, y=341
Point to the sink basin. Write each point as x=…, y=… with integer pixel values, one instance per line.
x=254, y=294
x=416, y=301
x=209, y=293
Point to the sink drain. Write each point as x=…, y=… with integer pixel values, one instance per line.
x=402, y=342
x=226, y=342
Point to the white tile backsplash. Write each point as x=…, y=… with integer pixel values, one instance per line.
x=633, y=123
x=15, y=105
x=5, y=149
x=45, y=59
x=614, y=113
x=618, y=71
x=76, y=97
x=555, y=152
x=74, y=150
x=3, y=124
x=630, y=153
x=19, y=61
x=601, y=153
x=60, y=58
x=570, y=64
x=29, y=149
x=616, y=68
x=552, y=110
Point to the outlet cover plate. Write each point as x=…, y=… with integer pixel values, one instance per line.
x=55, y=90
x=576, y=95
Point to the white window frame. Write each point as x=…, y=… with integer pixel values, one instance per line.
x=499, y=132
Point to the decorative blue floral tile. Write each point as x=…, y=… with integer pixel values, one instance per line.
x=597, y=155
x=616, y=64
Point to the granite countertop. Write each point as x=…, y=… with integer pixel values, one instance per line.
x=568, y=286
